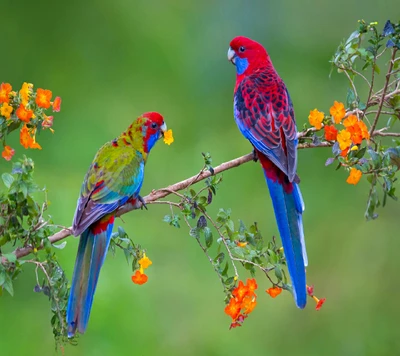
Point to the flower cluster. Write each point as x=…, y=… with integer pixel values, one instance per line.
x=348, y=138
x=140, y=277
x=25, y=110
x=242, y=303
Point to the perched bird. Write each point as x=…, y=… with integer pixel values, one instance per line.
x=114, y=177
x=264, y=114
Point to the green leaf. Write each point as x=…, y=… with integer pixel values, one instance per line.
x=8, y=179
x=220, y=258
x=208, y=236
x=61, y=245
x=194, y=232
x=230, y=225
x=229, y=280
x=350, y=99
x=10, y=257
x=278, y=272
x=8, y=285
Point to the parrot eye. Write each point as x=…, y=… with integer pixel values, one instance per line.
x=154, y=125
x=241, y=49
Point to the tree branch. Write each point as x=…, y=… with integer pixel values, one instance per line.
x=155, y=195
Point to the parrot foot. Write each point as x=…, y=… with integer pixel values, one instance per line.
x=255, y=156
x=143, y=202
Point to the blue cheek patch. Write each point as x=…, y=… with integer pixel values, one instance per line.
x=152, y=141
x=241, y=65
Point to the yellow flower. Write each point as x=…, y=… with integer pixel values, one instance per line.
x=315, y=118
x=354, y=177
x=6, y=110
x=25, y=93
x=145, y=262
x=344, y=139
x=168, y=138
x=337, y=111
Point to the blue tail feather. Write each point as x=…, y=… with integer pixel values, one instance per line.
x=92, y=251
x=288, y=209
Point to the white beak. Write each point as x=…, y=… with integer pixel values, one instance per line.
x=163, y=127
x=231, y=55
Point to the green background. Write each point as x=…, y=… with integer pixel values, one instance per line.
x=112, y=60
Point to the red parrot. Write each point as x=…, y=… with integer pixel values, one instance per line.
x=264, y=114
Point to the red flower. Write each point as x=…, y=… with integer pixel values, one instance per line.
x=319, y=303
x=248, y=304
x=233, y=308
x=330, y=133
x=310, y=290
x=43, y=97
x=235, y=325
x=139, y=278
x=240, y=291
x=252, y=285
x=57, y=104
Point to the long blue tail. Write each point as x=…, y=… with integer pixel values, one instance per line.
x=289, y=207
x=92, y=250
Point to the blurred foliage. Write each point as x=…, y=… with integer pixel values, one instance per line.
x=135, y=57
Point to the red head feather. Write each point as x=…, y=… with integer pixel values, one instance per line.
x=248, y=56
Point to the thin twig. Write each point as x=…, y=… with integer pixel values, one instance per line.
x=383, y=92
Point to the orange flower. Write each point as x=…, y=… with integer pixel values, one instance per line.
x=248, y=304
x=315, y=118
x=274, y=292
x=330, y=133
x=43, y=97
x=26, y=140
x=145, y=262
x=354, y=177
x=240, y=291
x=252, y=285
x=7, y=153
x=23, y=114
x=344, y=139
x=356, y=134
x=233, y=308
x=337, y=111
x=57, y=104
x=5, y=90
x=240, y=244
x=25, y=93
x=139, y=278
x=350, y=121
x=364, y=130
x=319, y=303
x=6, y=110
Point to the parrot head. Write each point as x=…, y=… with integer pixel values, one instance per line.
x=153, y=128
x=247, y=55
